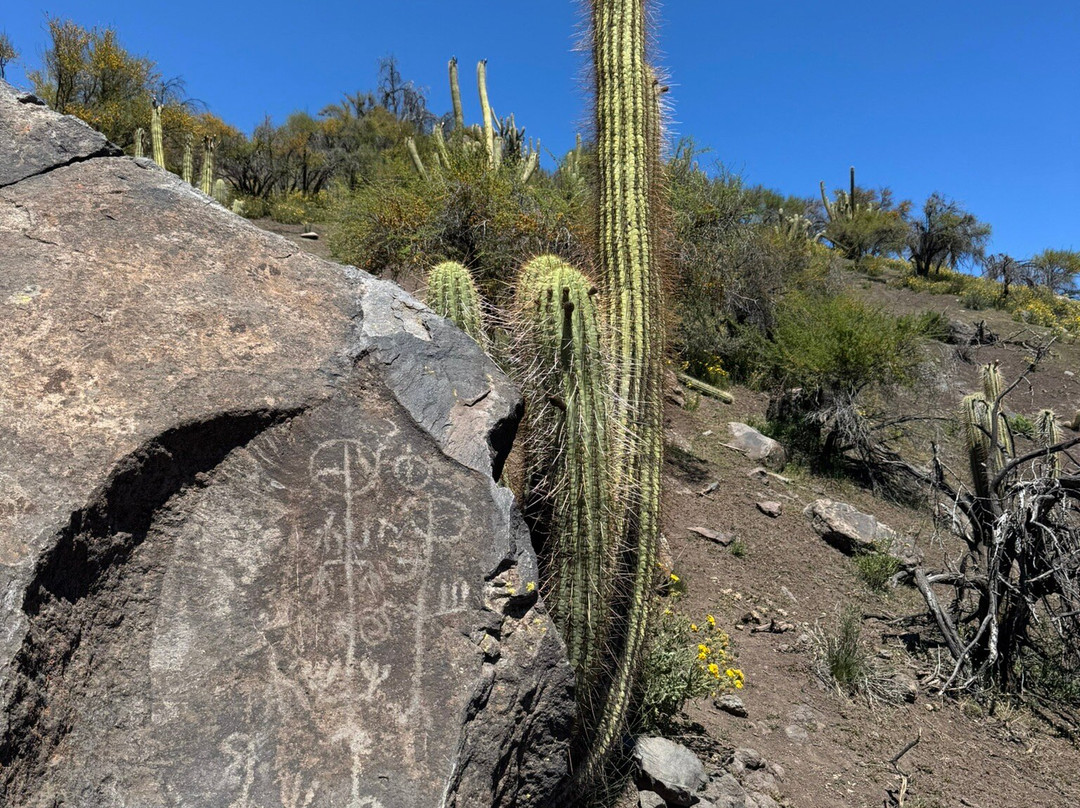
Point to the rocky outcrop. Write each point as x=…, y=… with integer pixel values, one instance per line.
x=252, y=551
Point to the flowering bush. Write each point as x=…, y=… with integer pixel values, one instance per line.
x=686, y=660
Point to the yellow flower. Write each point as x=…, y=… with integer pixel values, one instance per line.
x=693, y=626
x=702, y=655
x=738, y=684
x=714, y=669
x=710, y=620
x=674, y=578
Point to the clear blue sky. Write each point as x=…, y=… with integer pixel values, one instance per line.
x=978, y=100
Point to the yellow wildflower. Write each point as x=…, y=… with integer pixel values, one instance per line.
x=693, y=627
x=674, y=578
x=714, y=669
x=710, y=620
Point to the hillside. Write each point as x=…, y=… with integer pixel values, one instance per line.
x=834, y=748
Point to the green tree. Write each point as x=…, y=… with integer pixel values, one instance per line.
x=945, y=234
x=8, y=54
x=1057, y=270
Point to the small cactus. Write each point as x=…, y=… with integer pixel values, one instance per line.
x=451, y=293
x=1048, y=434
x=156, y=138
x=140, y=135
x=189, y=161
x=207, y=186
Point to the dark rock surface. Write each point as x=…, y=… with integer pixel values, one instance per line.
x=669, y=769
x=251, y=548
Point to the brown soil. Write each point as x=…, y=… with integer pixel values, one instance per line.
x=834, y=748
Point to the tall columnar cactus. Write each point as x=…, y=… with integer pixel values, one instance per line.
x=455, y=96
x=207, y=185
x=451, y=293
x=189, y=161
x=485, y=108
x=156, y=138
x=565, y=457
x=627, y=133
x=845, y=206
x=1049, y=434
x=140, y=135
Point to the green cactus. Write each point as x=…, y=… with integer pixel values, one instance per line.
x=566, y=470
x=988, y=437
x=451, y=293
x=155, y=134
x=845, y=206
x=628, y=156
x=485, y=108
x=189, y=161
x=221, y=191
x=1048, y=434
x=140, y=135
x=455, y=96
x=207, y=186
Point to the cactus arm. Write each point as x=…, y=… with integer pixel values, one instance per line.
x=455, y=96
x=825, y=201
x=531, y=162
x=155, y=133
x=207, y=186
x=189, y=162
x=410, y=144
x=489, y=129
x=440, y=146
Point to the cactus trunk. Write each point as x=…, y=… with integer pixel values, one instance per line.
x=139, y=142
x=455, y=96
x=189, y=162
x=156, y=136
x=208, y=165
x=627, y=128
x=565, y=460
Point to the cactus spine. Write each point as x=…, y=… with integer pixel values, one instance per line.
x=566, y=473
x=189, y=161
x=139, y=136
x=155, y=134
x=628, y=129
x=451, y=293
x=207, y=186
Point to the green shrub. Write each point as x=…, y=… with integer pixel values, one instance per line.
x=977, y=299
x=837, y=343
x=877, y=569
x=685, y=660
x=1021, y=425
x=932, y=325
x=738, y=548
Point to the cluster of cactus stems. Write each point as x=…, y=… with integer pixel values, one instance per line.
x=493, y=136
x=207, y=185
x=845, y=206
x=451, y=293
x=593, y=429
x=156, y=138
x=1048, y=434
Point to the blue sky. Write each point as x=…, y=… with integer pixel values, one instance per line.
x=978, y=101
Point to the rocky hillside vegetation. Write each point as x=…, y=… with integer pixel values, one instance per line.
x=800, y=471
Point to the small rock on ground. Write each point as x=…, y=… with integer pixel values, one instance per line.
x=732, y=705
x=672, y=770
x=770, y=508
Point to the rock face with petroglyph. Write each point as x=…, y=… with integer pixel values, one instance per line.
x=252, y=552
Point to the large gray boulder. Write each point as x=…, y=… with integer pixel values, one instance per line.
x=852, y=531
x=756, y=446
x=252, y=551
